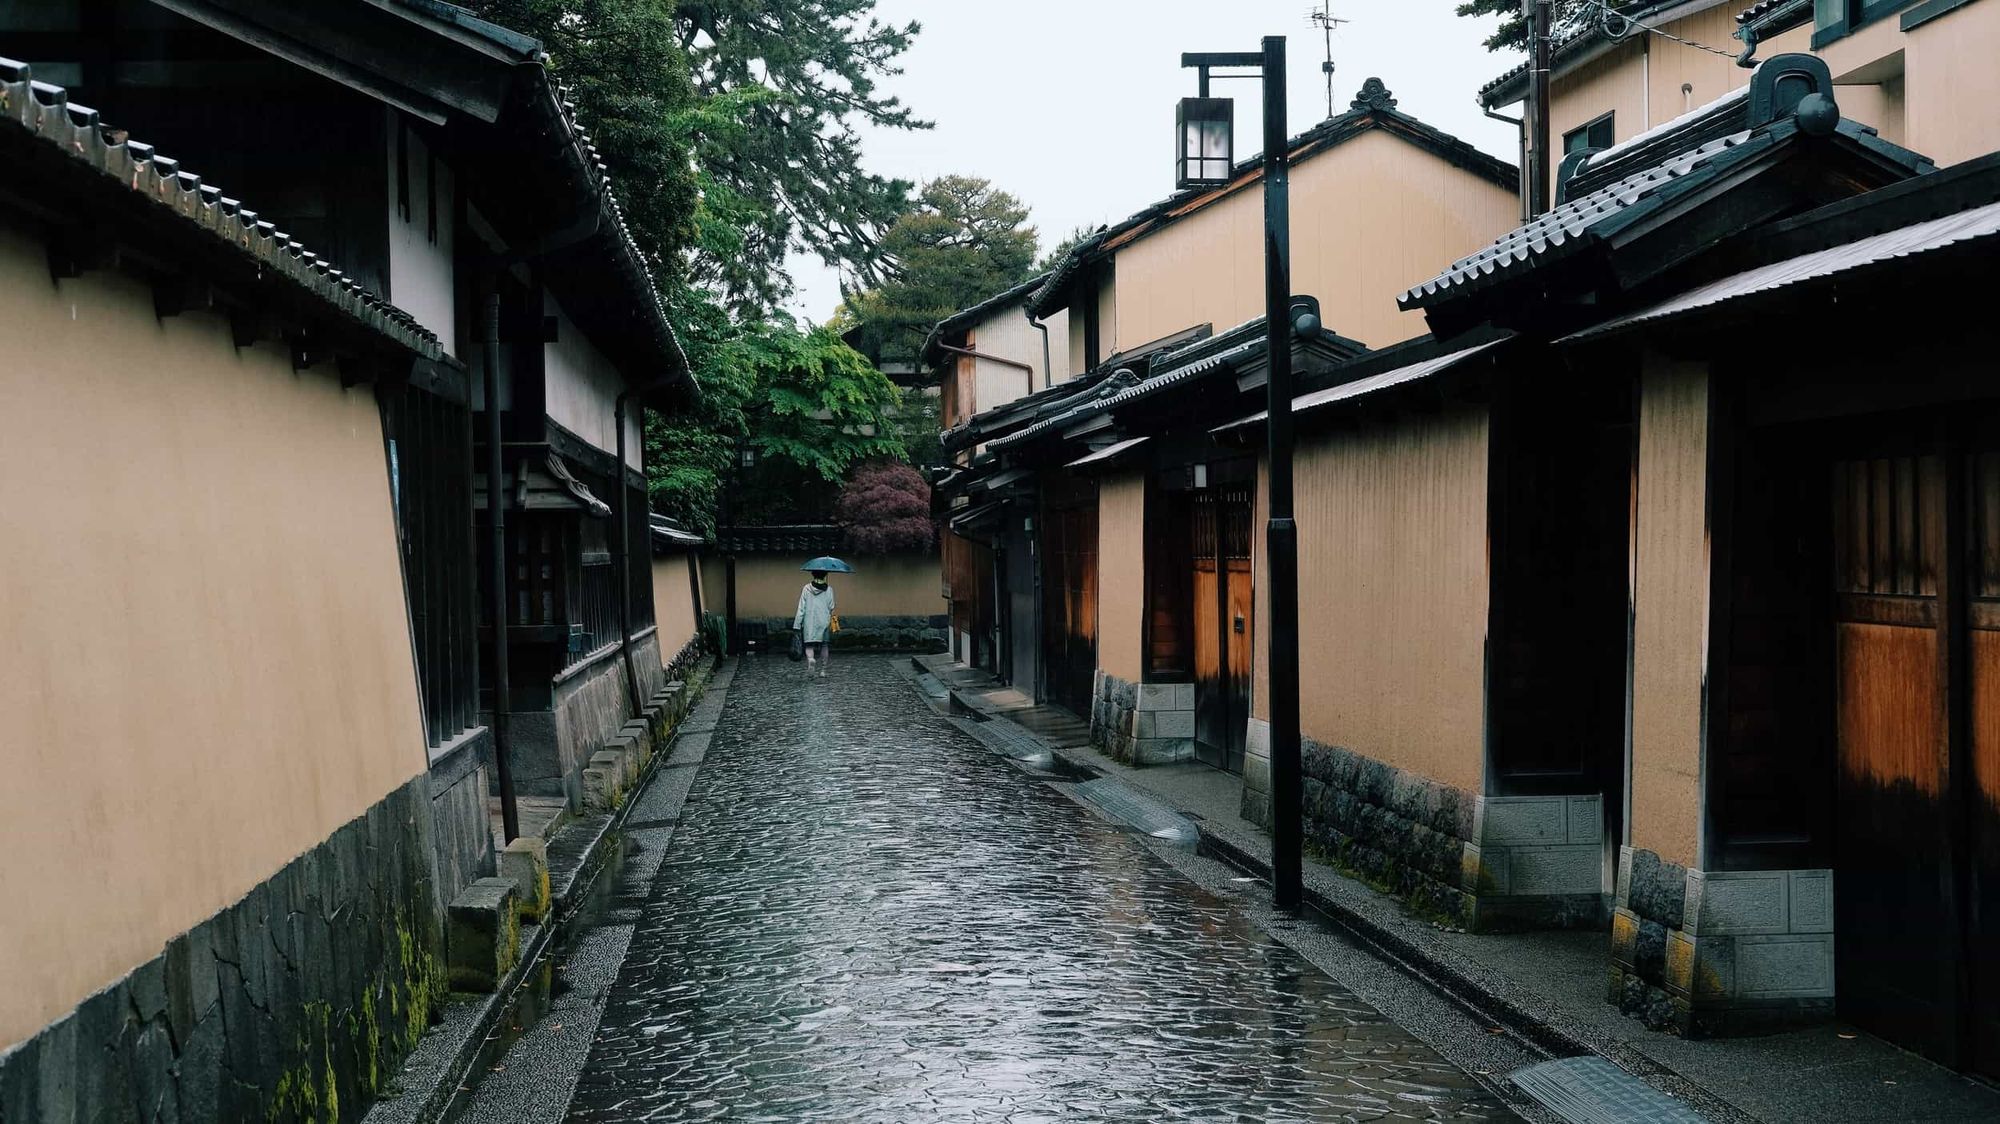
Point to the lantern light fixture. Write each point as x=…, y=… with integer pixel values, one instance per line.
x=1204, y=139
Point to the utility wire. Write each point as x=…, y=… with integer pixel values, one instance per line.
x=1606, y=18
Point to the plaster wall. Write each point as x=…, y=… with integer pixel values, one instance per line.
x=1009, y=335
x=1370, y=217
x=583, y=388
x=1393, y=592
x=767, y=585
x=1669, y=609
x=1121, y=575
x=420, y=265
x=674, y=590
x=1951, y=84
x=207, y=649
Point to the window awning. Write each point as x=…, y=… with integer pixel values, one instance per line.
x=985, y=517
x=1362, y=387
x=1108, y=452
x=549, y=486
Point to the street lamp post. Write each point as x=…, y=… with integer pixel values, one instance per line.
x=1281, y=533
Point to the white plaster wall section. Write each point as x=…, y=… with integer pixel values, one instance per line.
x=582, y=388
x=421, y=277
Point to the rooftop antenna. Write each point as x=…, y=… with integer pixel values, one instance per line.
x=1324, y=19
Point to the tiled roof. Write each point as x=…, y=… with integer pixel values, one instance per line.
x=1242, y=346
x=1567, y=226
x=1372, y=108
x=797, y=538
x=34, y=112
x=1977, y=224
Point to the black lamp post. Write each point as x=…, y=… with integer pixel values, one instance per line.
x=1281, y=533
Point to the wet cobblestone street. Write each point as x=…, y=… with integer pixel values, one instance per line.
x=866, y=915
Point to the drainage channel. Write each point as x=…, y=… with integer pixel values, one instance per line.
x=543, y=984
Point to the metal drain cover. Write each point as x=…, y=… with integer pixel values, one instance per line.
x=1005, y=739
x=1591, y=1090
x=1121, y=803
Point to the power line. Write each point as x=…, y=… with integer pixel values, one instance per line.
x=1606, y=17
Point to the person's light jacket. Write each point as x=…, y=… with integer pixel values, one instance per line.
x=815, y=616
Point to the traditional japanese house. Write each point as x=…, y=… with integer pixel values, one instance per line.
x=269, y=604
x=1074, y=548
x=1564, y=558
x=1903, y=66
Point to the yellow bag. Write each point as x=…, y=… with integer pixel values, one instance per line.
x=833, y=623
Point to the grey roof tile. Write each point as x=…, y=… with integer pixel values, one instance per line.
x=42, y=112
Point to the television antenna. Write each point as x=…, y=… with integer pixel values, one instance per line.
x=1323, y=18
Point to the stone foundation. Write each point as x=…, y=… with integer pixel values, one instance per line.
x=1702, y=953
x=1405, y=834
x=1537, y=862
x=293, y=1004
x=1142, y=723
x=1477, y=861
x=877, y=634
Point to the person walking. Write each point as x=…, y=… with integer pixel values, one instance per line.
x=814, y=622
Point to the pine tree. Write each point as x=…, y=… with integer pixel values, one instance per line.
x=786, y=84
x=964, y=241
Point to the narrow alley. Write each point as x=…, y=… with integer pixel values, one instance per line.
x=863, y=914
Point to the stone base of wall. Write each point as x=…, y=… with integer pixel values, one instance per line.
x=293, y=1004
x=874, y=634
x=1142, y=723
x=1537, y=862
x=1710, y=953
x=1403, y=833
x=463, y=832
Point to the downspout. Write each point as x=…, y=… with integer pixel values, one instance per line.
x=1048, y=367
x=496, y=510
x=496, y=499
x=624, y=514
x=978, y=355
x=1522, y=159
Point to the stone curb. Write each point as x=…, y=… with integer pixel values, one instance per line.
x=1541, y=1028
x=444, y=1057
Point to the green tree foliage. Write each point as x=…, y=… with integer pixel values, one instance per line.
x=807, y=405
x=627, y=72
x=785, y=85
x=728, y=130
x=964, y=241
x=1568, y=17
x=1056, y=252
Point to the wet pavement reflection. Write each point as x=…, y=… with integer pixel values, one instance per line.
x=866, y=915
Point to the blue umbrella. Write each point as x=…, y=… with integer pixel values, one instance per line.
x=829, y=564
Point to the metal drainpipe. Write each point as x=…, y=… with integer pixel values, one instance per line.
x=1521, y=159
x=496, y=509
x=496, y=496
x=624, y=516
x=1048, y=367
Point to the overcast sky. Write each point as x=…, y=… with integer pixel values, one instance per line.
x=1069, y=104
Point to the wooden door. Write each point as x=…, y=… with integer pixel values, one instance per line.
x=1069, y=600
x=1981, y=790
x=1222, y=612
x=1893, y=900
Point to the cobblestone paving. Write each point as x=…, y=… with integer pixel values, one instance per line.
x=867, y=915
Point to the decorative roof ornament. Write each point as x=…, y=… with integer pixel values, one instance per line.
x=1373, y=95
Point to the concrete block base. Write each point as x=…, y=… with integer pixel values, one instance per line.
x=525, y=863
x=1710, y=953
x=1537, y=862
x=482, y=935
